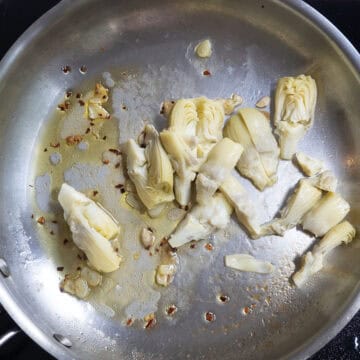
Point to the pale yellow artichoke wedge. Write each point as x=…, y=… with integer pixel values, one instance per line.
x=94, y=230
x=246, y=262
x=202, y=220
x=220, y=162
x=312, y=261
x=327, y=212
x=150, y=169
x=260, y=158
x=295, y=101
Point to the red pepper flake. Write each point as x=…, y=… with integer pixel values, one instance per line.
x=106, y=161
x=55, y=145
x=192, y=246
x=51, y=232
x=74, y=139
x=60, y=268
x=92, y=123
x=95, y=192
x=209, y=316
x=67, y=104
x=171, y=310
x=117, y=165
x=115, y=151
x=209, y=247
x=150, y=324
x=83, y=69
x=65, y=241
x=163, y=242
x=129, y=322
x=41, y=220
x=206, y=73
x=66, y=69
x=119, y=186
x=246, y=310
x=81, y=102
x=104, y=137
x=68, y=94
x=78, y=95
x=61, y=107
x=224, y=298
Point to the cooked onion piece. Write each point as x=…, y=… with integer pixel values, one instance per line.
x=245, y=262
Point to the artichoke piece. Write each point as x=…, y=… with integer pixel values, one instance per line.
x=299, y=203
x=231, y=103
x=218, y=166
x=245, y=262
x=244, y=207
x=202, y=220
x=94, y=106
x=328, y=212
x=324, y=181
x=295, y=101
x=312, y=262
x=92, y=228
x=150, y=170
x=309, y=165
x=251, y=163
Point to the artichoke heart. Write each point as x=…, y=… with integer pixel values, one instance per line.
x=299, y=203
x=309, y=165
x=244, y=207
x=312, y=262
x=259, y=161
x=295, y=101
x=218, y=166
x=150, y=169
x=202, y=220
x=328, y=212
x=93, y=229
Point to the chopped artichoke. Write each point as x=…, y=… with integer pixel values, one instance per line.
x=218, y=166
x=328, y=212
x=313, y=261
x=150, y=170
x=299, y=203
x=231, y=103
x=203, y=49
x=244, y=207
x=324, y=181
x=92, y=228
x=245, y=262
x=309, y=165
x=295, y=101
x=259, y=161
x=202, y=220
x=94, y=106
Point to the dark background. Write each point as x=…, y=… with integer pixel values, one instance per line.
x=17, y=15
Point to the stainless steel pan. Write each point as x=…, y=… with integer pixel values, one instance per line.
x=255, y=42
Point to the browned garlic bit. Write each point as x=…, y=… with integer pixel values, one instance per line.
x=147, y=238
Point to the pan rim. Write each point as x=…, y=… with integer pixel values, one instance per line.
x=312, y=345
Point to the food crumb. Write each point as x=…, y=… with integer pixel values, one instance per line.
x=105, y=137
x=68, y=94
x=73, y=139
x=51, y=232
x=78, y=95
x=206, y=73
x=32, y=216
x=60, y=268
x=65, y=241
x=41, y=220
x=129, y=322
x=192, y=246
x=224, y=298
x=95, y=192
x=45, y=150
x=150, y=321
x=81, y=102
x=203, y=49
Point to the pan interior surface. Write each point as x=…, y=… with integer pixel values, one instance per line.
x=254, y=44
